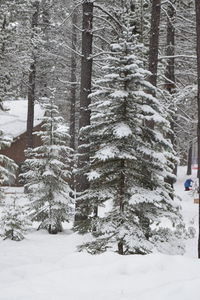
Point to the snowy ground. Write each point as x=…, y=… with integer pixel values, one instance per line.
x=46, y=267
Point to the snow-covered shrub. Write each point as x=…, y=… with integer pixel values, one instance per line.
x=168, y=242
x=191, y=232
x=14, y=220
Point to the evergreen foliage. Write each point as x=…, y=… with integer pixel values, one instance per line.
x=7, y=166
x=14, y=220
x=129, y=161
x=14, y=47
x=47, y=173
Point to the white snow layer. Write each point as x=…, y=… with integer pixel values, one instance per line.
x=122, y=130
x=13, y=121
x=106, y=152
x=48, y=267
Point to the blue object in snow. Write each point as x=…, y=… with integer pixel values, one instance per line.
x=188, y=183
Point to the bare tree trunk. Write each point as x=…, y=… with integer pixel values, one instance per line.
x=153, y=49
x=197, y=6
x=153, y=53
x=86, y=77
x=73, y=79
x=154, y=41
x=31, y=81
x=121, y=208
x=170, y=74
x=44, y=80
x=170, y=51
x=73, y=93
x=189, y=161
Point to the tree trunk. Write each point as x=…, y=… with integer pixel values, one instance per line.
x=73, y=93
x=189, y=161
x=44, y=78
x=170, y=50
x=31, y=81
x=154, y=41
x=86, y=77
x=73, y=80
x=120, y=248
x=197, y=6
x=170, y=74
x=153, y=53
x=121, y=204
x=153, y=49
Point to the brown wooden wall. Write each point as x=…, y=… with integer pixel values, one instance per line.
x=16, y=150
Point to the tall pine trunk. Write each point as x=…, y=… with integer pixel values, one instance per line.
x=153, y=48
x=73, y=88
x=73, y=93
x=121, y=204
x=154, y=41
x=170, y=49
x=189, y=161
x=197, y=6
x=31, y=81
x=44, y=79
x=170, y=69
x=153, y=54
x=82, y=182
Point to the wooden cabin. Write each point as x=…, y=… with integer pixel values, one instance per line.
x=13, y=123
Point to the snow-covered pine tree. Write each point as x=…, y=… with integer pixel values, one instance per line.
x=14, y=220
x=123, y=152
x=47, y=173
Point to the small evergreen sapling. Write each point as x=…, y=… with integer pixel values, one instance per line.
x=14, y=220
x=47, y=173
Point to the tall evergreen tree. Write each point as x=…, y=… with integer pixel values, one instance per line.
x=48, y=173
x=123, y=151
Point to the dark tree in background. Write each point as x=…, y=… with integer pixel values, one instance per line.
x=85, y=89
x=170, y=68
x=73, y=88
x=197, y=5
x=32, y=79
x=189, y=161
x=170, y=49
x=154, y=41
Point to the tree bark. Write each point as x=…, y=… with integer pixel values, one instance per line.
x=189, y=161
x=170, y=74
x=44, y=78
x=73, y=80
x=170, y=50
x=197, y=8
x=153, y=49
x=82, y=182
x=121, y=204
x=31, y=81
x=73, y=94
x=154, y=41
